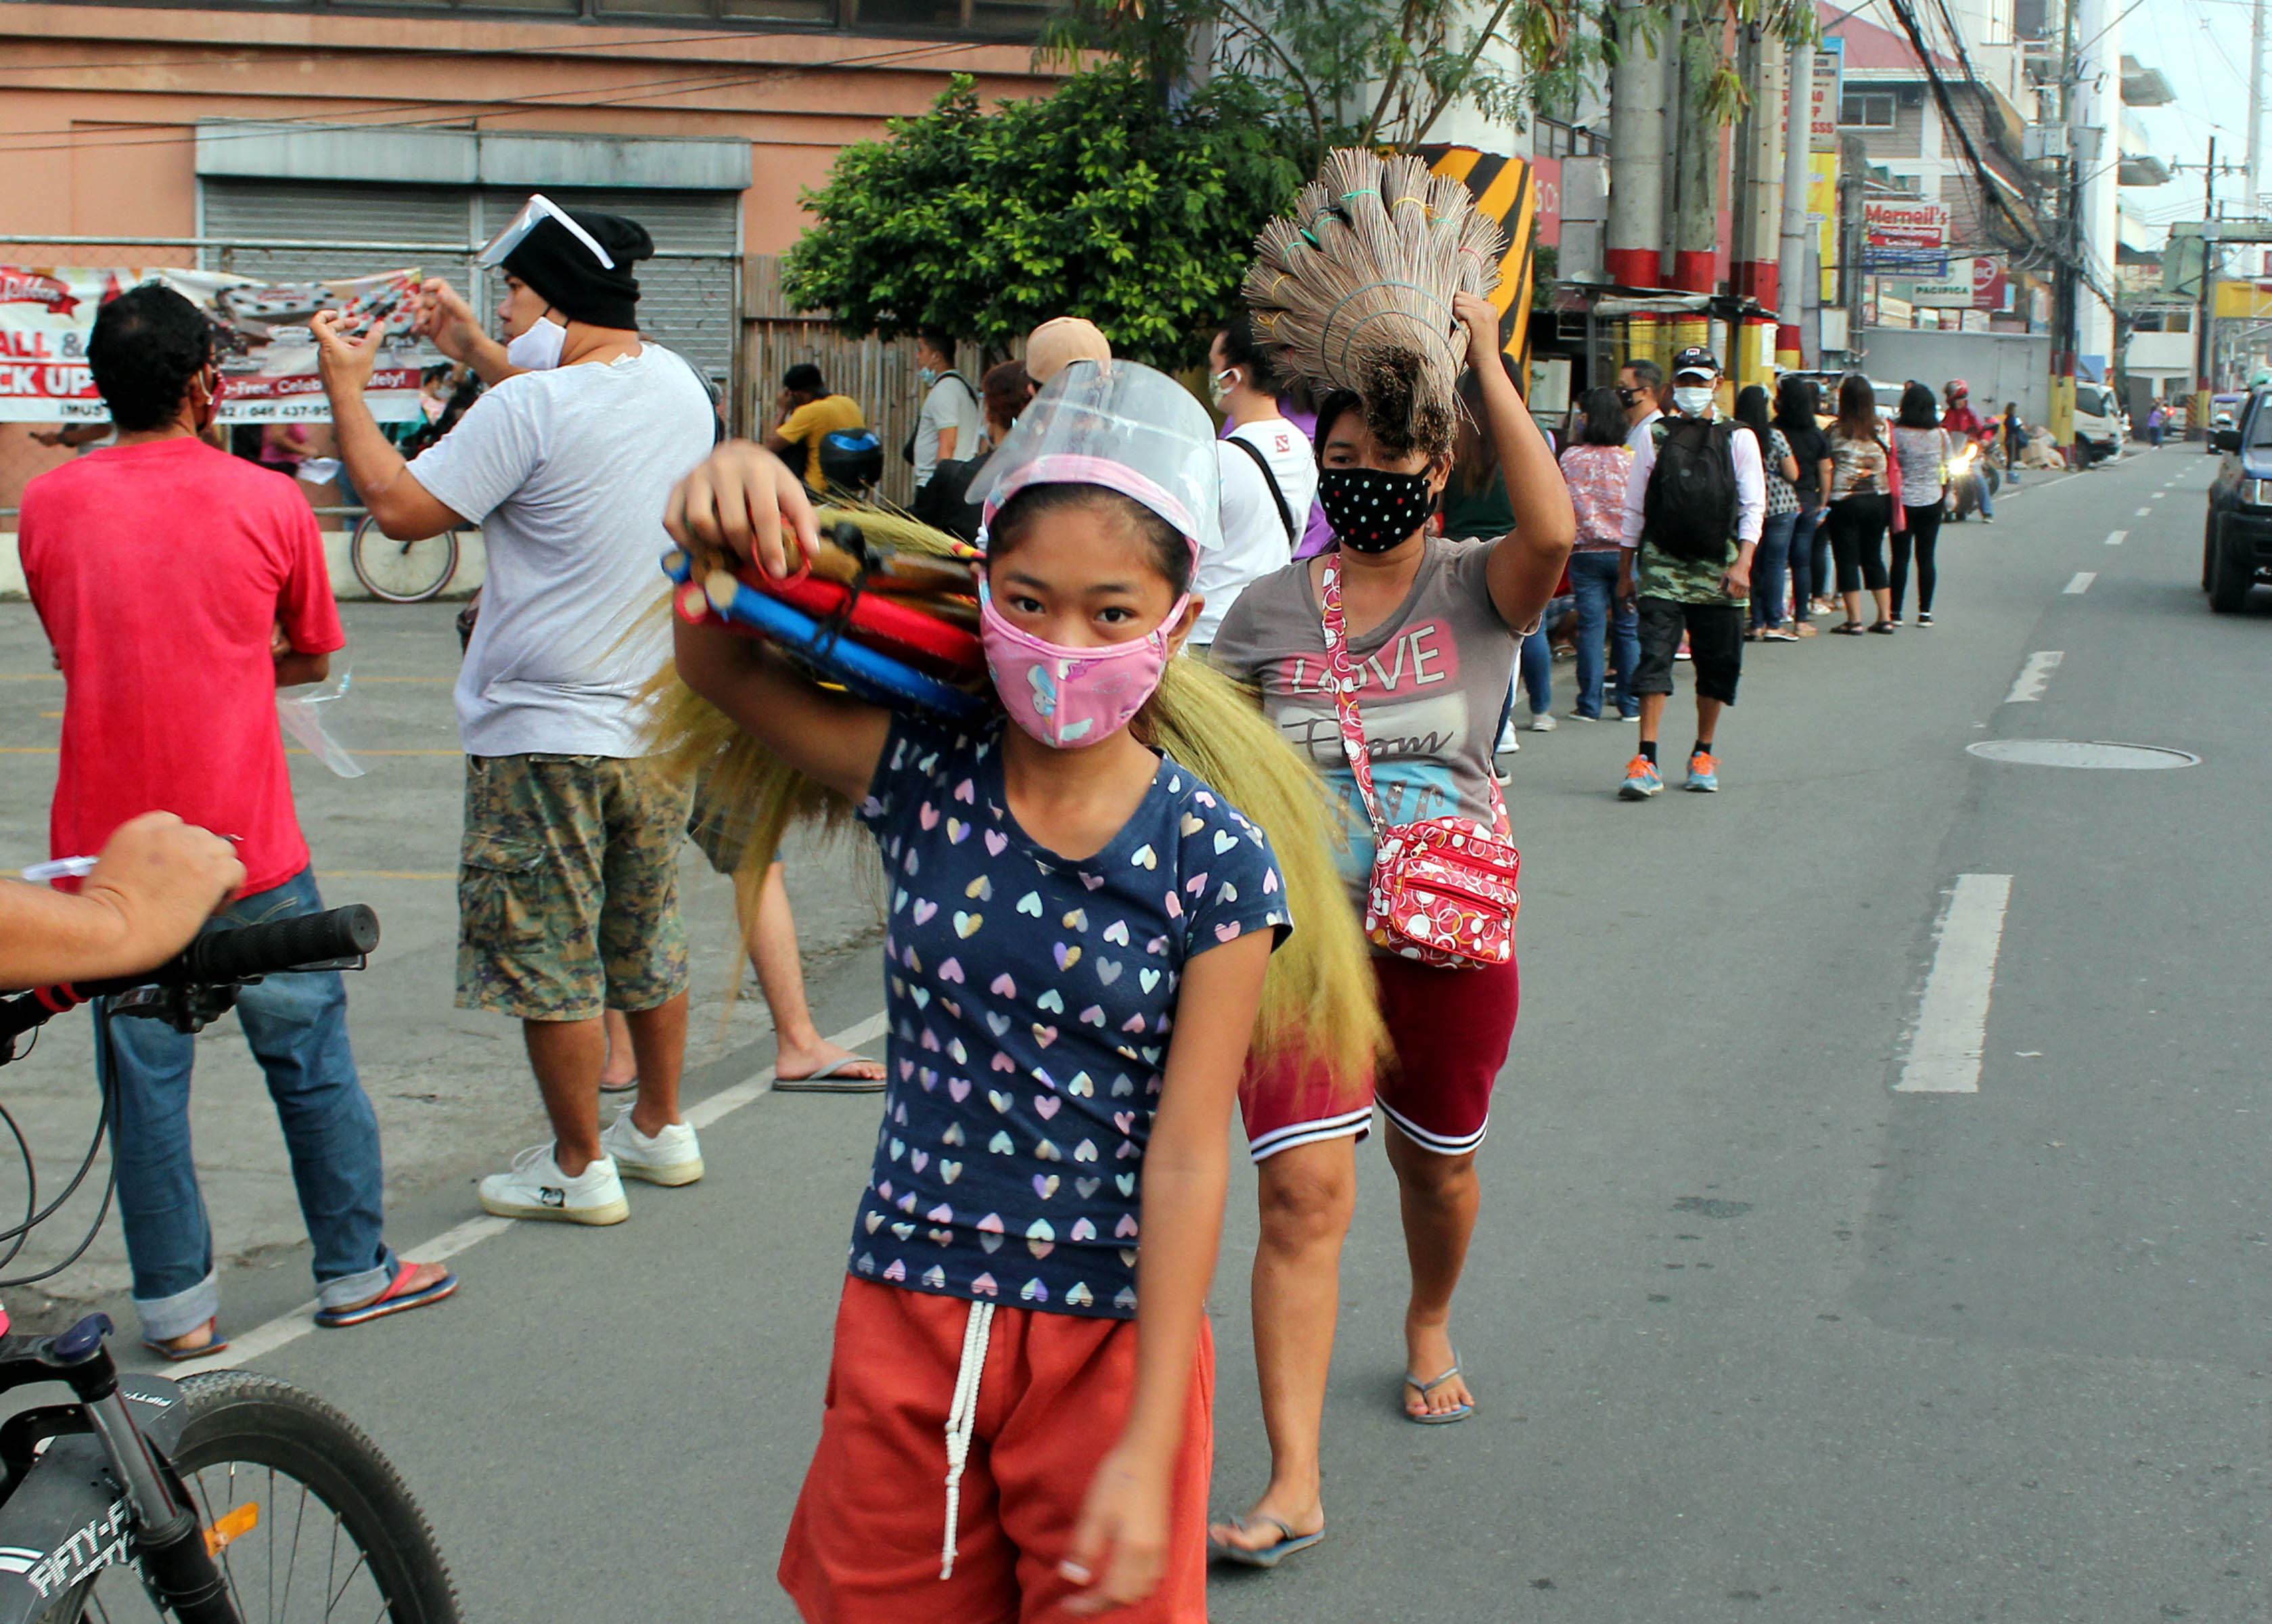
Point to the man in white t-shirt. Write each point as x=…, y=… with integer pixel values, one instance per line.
x=567, y=888
x=950, y=423
x=1269, y=477
x=1641, y=391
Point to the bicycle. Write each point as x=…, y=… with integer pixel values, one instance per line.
x=410, y=571
x=150, y=1498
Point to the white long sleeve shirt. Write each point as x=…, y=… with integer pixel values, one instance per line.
x=1751, y=486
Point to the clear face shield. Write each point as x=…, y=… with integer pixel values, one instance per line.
x=538, y=209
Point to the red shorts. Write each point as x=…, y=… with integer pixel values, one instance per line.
x=864, y=1545
x=1448, y=1032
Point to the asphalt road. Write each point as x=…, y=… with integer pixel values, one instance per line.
x=1758, y=1336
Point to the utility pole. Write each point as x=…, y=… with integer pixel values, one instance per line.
x=2204, y=341
x=2255, y=103
x=1636, y=224
x=1799, y=139
x=2066, y=277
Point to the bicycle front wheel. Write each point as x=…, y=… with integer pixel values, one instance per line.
x=316, y=1523
x=401, y=571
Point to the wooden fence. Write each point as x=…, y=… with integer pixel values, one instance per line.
x=880, y=376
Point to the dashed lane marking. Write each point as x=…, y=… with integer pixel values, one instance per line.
x=2115, y=538
x=287, y=1328
x=2080, y=584
x=1951, y=1024
x=2143, y=513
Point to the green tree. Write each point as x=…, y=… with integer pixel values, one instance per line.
x=1101, y=200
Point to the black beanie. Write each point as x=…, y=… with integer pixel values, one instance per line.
x=551, y=260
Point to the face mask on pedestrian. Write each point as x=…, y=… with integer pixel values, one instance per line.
x=1222, y=384
x=1692, y=400
x=927, y=376
x=1372, y=510
x=1627, y=396
x=538, y=349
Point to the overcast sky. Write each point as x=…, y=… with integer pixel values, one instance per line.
x=2202, y=45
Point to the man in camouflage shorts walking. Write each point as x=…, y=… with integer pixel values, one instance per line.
x=567, y=889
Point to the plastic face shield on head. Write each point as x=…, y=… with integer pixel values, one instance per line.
x=1130, y=429
x=538, y=209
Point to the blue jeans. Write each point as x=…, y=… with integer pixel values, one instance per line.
x=1810, y=561
x=297, y=1029
x=1987, y=496
x=1593, y=574
x=1770, y=564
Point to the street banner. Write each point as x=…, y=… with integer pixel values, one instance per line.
x=1825, y=95
x=267, y=351
x=1822, y=217
x=1905, y=233
x=1992, y=287
x=1953, y=292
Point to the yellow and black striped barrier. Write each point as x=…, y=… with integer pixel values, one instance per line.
x=1505, y=189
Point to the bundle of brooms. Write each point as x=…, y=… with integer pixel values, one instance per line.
x=1357, y=285
x=1317, y=1001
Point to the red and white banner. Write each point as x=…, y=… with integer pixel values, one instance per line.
x=267, y=352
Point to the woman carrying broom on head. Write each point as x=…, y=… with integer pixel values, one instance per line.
x=1078, y=938
x=1430, y=628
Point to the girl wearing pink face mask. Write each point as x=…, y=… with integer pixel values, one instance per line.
x=1077, y=935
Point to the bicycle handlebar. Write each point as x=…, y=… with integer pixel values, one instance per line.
x=220, y=958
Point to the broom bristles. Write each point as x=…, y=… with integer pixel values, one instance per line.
x=1318, y=1003
x=1357, y=285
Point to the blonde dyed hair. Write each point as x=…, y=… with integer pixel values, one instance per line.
x=1318, y=1003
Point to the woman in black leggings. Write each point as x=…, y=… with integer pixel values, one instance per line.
x=1858, y=511
x=1926, y=449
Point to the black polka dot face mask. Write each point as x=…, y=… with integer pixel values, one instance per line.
x=1372, y=510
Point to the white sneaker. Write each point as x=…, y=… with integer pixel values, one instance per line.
x=1541, y=722
x=536, y=1188
x=672, y=1156
x=1580, y=715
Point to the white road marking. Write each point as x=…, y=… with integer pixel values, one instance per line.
x=2029, y=686
x=2143, y=513
x=2080, y=584
x=288, y=1328
x=2115, y=538
x=1952, y=1024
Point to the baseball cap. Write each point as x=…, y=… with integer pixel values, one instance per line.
x=1696, y=358
x=1060, y=340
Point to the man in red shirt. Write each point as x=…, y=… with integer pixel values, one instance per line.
x=181, y=588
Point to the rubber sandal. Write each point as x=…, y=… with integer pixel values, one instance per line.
x=1847, y=628
x=387, y=1302
x=1885, y=628
x=619, y=1088
x=1445, y=1418
x=175, y=1356
x=1262, y=1556
x=829, y=1079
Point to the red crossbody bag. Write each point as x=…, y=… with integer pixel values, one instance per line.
x=1443, y=890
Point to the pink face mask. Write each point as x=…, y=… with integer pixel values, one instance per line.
x=1065, y=697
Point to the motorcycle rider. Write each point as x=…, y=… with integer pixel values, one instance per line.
x=1961, y=420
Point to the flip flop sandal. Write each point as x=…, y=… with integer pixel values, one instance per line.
x=388, y=1302
x=619, y=1088
x=175, y=1356
x=1442, y=1418
x=1263, y=1556
x=1847, y=628
x=831, y=1079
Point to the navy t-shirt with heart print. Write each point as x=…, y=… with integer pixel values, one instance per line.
x=1032, y=999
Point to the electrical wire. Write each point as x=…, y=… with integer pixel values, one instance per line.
x=107, y=1077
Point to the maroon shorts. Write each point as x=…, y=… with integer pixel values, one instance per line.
x=1448, y=1032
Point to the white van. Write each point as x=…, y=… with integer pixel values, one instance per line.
x=2097, y=423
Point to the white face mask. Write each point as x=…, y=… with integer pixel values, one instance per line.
x=927, y=376
x=538, y=349
x=1222, y=384
x=1692, y=401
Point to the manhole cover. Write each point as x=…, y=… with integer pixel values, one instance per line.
x=2075, y=753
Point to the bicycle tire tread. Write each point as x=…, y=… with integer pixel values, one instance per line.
x=239, y=1404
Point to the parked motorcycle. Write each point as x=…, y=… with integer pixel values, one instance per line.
x=1967, y=472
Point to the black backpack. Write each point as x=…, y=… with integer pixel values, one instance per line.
x=1689, y=511
x=946, y=501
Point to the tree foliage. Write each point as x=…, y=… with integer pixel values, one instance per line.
x=1101, y=200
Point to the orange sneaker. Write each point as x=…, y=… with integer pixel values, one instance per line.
x=1642, y=780
x=1703, y=772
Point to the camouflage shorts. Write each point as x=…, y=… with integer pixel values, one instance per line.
x=568, y=888
x=721, y=833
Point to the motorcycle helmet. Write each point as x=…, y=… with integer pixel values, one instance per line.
x=851, y=459
x=1957, y=389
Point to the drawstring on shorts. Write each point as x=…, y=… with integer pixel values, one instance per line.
x=963, y=1420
